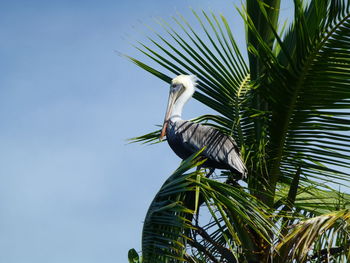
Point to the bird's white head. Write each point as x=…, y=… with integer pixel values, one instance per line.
x=189, y=82
x=181, y=90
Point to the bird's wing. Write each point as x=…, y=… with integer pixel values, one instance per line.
x=189, y=134
x=220, y=148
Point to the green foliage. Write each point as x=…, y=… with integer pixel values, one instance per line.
x=133, y=256
x=169, y=226
x=289, y=113
x=323, y=232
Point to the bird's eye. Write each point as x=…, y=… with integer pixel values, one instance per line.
x=177, y=87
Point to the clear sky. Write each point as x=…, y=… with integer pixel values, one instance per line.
x=71, y=189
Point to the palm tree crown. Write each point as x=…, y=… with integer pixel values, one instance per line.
x=288, y=109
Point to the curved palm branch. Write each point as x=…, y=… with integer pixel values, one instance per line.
x=169, y=230
x=216, y=60
x=324, y=237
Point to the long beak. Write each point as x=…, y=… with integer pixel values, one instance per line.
x=171, y=101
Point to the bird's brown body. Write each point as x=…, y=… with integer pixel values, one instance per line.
x=221, y=151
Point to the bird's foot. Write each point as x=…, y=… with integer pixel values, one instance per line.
x=211, y=171
x=207, y=174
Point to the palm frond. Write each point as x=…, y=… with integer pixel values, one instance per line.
x=259, y=27
x=299, y=243
x=313, y=198
x=307, y=96
x=169, y=228
x=168, y=218
x=212, y=55
x=317, y=125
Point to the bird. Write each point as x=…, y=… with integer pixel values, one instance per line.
x=186, y=137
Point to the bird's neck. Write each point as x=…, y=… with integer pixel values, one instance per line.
x=176, y=113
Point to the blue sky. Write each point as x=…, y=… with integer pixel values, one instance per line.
x=71, y=189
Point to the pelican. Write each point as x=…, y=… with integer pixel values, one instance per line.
x=186, y=137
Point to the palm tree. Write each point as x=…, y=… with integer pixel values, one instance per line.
x=288, y=109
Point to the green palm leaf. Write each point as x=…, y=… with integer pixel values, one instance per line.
x=168, y=229
x=315, y=125
x=223, y=75
x=328, y=228
x=306, y=92
x=315, y=199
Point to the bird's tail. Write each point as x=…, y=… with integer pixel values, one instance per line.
x=240, y=168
